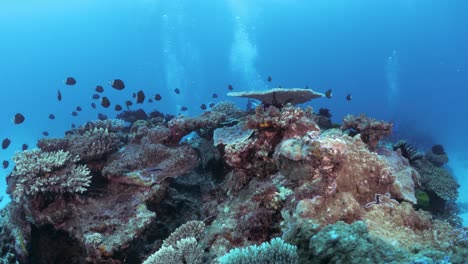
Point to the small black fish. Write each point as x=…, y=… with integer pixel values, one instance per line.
x=19, y=118
x=211, y=105
x=140, y=97
x=52, y=116
x=45, y=133
x=99, y=89
x=78, y=108
x=183, y=108
x=117, y=84
x=6, y=143
x=24, y=147
x=214, y=95
x=269, y=79
x=128, y=103
x=155, y=169
x=328, y=93
x=73, y=126
x=348, y=97
x=307, y=87
x=74, y=113
x=118, y=107
x=133, y=95
x=96, y=96
x=6, y=163
x=157, y=97
x=230, y=88
x=59, y=95
x=105, y=102
x=177, y=91
x=150, y=100
x=70, y=81
x=203, y=106
x=101, y=116
x=93, y=105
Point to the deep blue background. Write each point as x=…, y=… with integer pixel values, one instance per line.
x=201, y=46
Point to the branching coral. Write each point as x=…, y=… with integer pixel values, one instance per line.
x=47, y=172
x=181, y=246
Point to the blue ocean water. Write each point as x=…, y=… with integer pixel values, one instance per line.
x=403, y=60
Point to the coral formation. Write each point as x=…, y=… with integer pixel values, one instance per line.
x=370, y=129
x=275, y=252
x=279, y=97
x=46, y=173
x=407, y=151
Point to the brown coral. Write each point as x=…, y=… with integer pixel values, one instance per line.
x=370, y=129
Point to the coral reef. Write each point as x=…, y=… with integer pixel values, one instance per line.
x=265, y=186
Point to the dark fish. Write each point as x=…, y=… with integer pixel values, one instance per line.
x=117, y=84
x=105, y=102
x=73, y=126
x=6, y=163
x=45, y=133
x=133, y=95
x=99, y=89
x=59, y=95
x=307, y=87
x=52, y=116
x=118, y=107
x=70, y=81
x=211, y=105
x=93, y=105
x=128, y=103
x=157, y=97
x=74, y=113
x=6, y=143
x=203, y=106
x=96, y=96
x=177, y=91
x=78, y=108
x=19, y=118
x=24, y=147
x=269, y=79
x=140, y=97
x=328, y=93
x=150, y=100
x=214, y=95
x=230, y=88
x=348, y=97
x=183, y=108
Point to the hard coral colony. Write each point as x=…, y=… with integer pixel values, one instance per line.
x=265, y=186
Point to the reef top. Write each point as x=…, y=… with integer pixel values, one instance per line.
x=280, y=96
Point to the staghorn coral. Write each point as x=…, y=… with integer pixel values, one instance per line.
x=111, y=125
x=279, y=97
x=190, y=229
x=371, y=130
x=47, y=172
